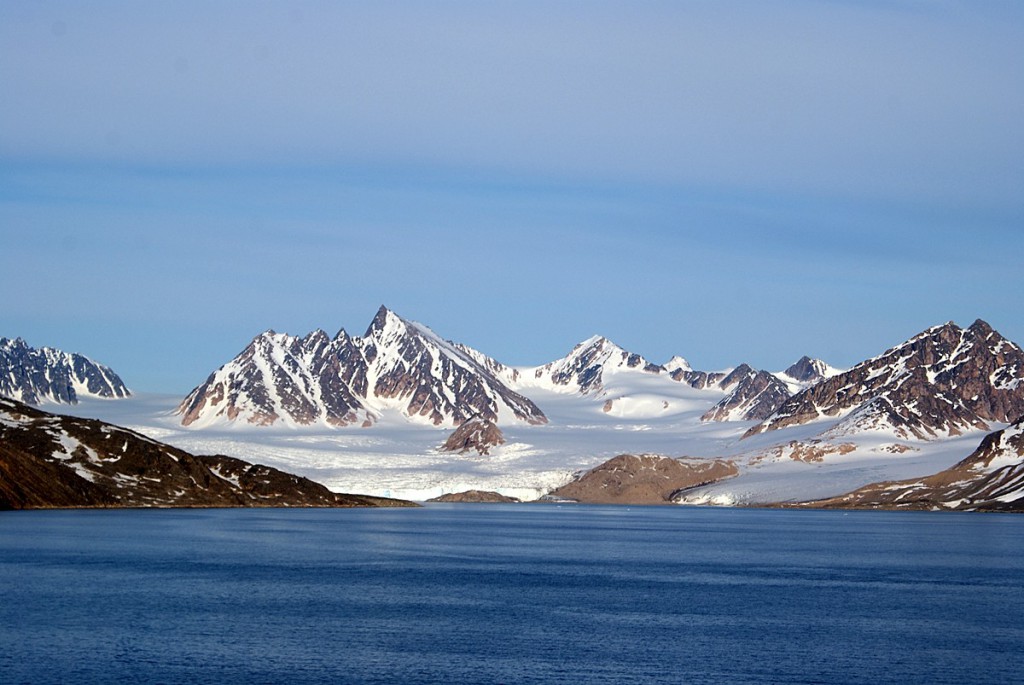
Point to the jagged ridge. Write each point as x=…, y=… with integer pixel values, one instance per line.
x=33, y=375
x=942, y=381
x=397, y=365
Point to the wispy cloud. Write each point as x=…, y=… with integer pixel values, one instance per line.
x=685, y=177
x=888, y=99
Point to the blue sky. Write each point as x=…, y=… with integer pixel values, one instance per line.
x=729, y=181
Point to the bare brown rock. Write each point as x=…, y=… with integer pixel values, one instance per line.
x=643, y=479
x=51, y=461
x=811, y=451
x=476, y=497
x=475, y=435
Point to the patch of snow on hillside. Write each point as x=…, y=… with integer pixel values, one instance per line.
x=398, y=459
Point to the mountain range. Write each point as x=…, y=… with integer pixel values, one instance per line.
x=891, y=415
x=402, y=367
x=941, y=382
x=397, y=365
x=35, y=375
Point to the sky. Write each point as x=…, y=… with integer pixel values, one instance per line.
x=730, y=181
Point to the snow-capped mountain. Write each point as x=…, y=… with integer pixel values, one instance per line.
x=637, y=411
x=991, y=479
x=675, y=364
x=398, y=365
x=586, y=368
x=941, y=382
x=411, y=368
x=753, y=396
x=284, y=377
x=594, y=363
x=806, y=372
x=35, y=375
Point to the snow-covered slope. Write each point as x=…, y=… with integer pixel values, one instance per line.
x=753, y=396
x=601, y=369
x=280, y=377
x=807, y=371
x=413, y=370
x=635, y=411
x=397, y=366
x=991, y=478
x=939, y=383
x=37, y=375
x=587, y=368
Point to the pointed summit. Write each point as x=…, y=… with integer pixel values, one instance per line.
x=398, y=366
x=940, y=382
x=585, y=367
x=381, y=319
x=677, y=363
x=807, y=371
x=753, y=396
x=46, y=374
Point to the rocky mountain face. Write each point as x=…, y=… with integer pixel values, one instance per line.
x=397, y=365
x=35, y=375
x=475, y=435
x=585, y=369
x=941, y=382
x=753, y=396
x=990, y=479
x=58, y=461
x=808, y=371
x=643, y=479
x=699, y=380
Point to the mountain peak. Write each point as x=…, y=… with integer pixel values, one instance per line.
x=594, y=341
x=942, y=381
x=982, y=328
x=677, y=363
x=381, y=321
x=398, y=365
x=584, y=368
x=807, y=370
x=32, y=375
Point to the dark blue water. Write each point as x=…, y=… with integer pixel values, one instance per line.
x=510, y=594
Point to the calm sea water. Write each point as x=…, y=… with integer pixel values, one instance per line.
x=510, y=594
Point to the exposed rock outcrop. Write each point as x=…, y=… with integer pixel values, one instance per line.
x=476, y=497
x=939, y=383
x=643, y=479
x=33, y=375
x=50, y=461
x=808, y=371
x=698, y=380
x=753, y=396
x=475, y=435
x=397, y=365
